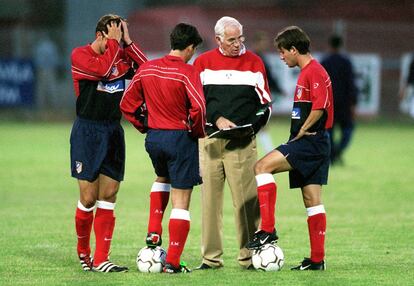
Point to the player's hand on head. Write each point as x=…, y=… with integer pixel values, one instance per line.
x=125, y=34
x=114, y=31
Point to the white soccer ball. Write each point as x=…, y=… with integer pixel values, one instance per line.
x=151, y=260
x=268, y=258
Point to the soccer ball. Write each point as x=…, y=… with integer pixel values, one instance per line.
x=151, y=260
x=268, y=258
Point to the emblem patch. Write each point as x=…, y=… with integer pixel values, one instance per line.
x=299, y=92
x=78, y=166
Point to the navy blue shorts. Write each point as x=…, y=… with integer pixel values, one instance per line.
x=309, y=158
x=97, y=147
x=174, y=155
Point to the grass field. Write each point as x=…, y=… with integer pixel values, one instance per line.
x=369, y=203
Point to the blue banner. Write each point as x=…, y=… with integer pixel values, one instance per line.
x=17, y=78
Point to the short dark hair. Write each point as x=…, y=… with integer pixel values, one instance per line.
x=293, y=36
x=335, y=41
x=184, y=35
x=105, y=20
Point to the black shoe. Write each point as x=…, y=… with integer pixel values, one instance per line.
x=203, y=266
x=261, y=238
x=153, y=240
x=108, y=266
x=86, y=262
x=251, y=267
x=168, y=268
x=307, y=264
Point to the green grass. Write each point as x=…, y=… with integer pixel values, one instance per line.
x=369, y=203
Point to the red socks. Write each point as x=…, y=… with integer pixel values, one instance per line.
x=178, y=227
x=104, y=228
x=267, y=193
x=83, y=223
x=160, y=194
x=317, y=229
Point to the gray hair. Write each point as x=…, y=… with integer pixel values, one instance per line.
x=225, y=22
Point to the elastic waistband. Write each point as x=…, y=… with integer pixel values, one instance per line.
x=100, y=122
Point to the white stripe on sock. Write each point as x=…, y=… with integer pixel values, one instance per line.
x=160, y=187
x=315, y=210
x=83, y=208
x=264, y=179
x=105, y=205
x=180, y=214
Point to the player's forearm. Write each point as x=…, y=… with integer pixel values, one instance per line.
x=313, y=117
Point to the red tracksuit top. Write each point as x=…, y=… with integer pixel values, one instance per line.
x=166, y=94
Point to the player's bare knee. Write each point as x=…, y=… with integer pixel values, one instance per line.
x=108, y=196
x=88, y=200
x=260, y=167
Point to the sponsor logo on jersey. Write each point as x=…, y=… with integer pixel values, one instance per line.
x=78, y=166
x=296, y=113
x=111, y=87
x=315, y=85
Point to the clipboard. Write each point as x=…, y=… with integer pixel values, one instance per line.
x=234, y=132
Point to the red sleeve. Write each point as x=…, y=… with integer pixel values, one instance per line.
x=198, y=104
x=132, y=104
x=87, y=66
x=135, y=53
x=318, y=91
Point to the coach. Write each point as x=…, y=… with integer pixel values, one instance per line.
x=237, y=93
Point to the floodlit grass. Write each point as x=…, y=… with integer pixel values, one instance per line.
x=369, y=203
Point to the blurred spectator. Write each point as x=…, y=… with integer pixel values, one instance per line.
x=46, y=58
x=260, y=46
x=407, y=90
x=340, y=70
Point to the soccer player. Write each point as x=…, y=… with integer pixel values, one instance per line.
x=237, y=93
x=165, y=100
x=99, y=72
x=306, y=154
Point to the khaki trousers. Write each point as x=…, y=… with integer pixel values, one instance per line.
x=222, y=159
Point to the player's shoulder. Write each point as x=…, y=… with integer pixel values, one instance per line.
x=253, y=55
x=80, y=53
x=210, y=55
x=316, y=68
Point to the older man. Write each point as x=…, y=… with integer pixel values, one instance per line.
x=237, y=93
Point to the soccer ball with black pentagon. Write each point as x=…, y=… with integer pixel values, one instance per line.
x=268, y=258
x=151, y=260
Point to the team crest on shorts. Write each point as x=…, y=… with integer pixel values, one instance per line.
x=78, y=167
